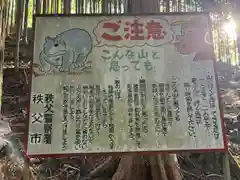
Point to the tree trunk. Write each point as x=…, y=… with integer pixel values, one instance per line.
x=143, y=6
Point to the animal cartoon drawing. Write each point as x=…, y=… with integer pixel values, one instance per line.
x=65, y=51
x=192, y=37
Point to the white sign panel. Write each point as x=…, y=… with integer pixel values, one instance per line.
x=123, y=84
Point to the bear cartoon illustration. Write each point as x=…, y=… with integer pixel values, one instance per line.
x=65, y=51
x=193, y=37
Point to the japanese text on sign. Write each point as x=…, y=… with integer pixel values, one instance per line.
x=127, y=32
x=147, y=88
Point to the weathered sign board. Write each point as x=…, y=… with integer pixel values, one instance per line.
x=105, y=84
